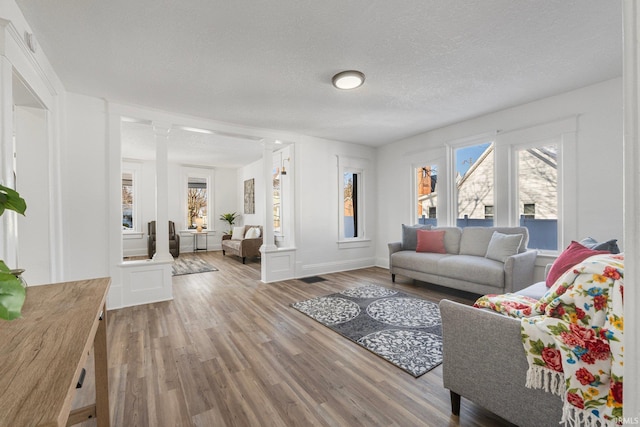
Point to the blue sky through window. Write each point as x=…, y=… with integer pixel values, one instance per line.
x=467, y=156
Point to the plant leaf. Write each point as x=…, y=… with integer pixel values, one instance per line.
x=12, y=295
x=10, y=199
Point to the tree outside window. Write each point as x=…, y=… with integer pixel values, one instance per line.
x=127, y=201
x=197, y=201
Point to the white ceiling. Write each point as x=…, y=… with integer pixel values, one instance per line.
x=269, y=64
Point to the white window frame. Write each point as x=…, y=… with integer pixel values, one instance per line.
x=201, y=173
x=135, y=169
x=563, y=133
x=451, y=188
x=439, y=162
x=357, y=166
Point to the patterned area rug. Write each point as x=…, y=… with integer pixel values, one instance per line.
x=403, y=329
x=189, y=264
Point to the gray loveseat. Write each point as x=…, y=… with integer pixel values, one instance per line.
x=464, y=266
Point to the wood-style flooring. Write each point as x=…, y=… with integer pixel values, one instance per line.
x=230, y=351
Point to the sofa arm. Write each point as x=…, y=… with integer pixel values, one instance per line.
x=250, y=247
x=393, y=248
x=485, y=362
x=518, y=270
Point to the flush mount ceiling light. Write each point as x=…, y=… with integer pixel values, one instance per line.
x=348, y=79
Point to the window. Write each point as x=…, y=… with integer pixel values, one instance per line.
x=128, y=213
x=474, y=183
x=277, y=200
x=488, y=212
x=426, y=195
x=351, y=204
x=197, y=199
x=530, y=210
x=538, y=194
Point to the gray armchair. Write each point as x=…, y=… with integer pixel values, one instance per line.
x=174, y=239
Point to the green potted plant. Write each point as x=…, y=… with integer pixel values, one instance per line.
x=12, y=293
x=230, y=218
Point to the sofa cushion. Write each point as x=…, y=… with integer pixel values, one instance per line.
x=501, y=246
x=232, y=244
x=536, y=291
x=451, y=239
x=474, y=269
x=474, y=240
x=252, y=233
x=238, y=233
x=574, y=254
x=431, y=241
x=426, y=262
x=609, y=245
x=409, y=236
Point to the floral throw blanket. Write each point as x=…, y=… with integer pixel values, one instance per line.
x=573, y=341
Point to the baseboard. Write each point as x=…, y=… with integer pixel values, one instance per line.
x=333, y=267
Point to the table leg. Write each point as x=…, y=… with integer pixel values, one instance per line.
x=102, y=372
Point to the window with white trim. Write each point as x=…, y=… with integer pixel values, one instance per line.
x=474, y=184
x=426, y=194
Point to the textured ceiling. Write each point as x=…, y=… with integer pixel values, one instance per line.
x=269, y=64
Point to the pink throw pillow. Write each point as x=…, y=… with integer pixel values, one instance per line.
x=431, y=241
x=574, y=254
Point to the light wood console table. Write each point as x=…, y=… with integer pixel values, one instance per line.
x=42, y=355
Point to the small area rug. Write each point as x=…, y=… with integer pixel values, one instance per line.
x=189, y=264
x=401, y=328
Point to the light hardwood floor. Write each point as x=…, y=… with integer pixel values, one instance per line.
x=230, y=351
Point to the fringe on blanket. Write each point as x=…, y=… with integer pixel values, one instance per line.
x=542, y=378
x=574, y=417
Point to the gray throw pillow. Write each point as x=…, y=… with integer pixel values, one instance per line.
x=501, y=246
x=609, y=245
x=410, y=235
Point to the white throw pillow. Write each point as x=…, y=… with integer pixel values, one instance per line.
x=503, y=246
x=238, y=233
x=252, y=233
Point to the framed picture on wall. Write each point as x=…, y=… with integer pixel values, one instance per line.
x=249, y=196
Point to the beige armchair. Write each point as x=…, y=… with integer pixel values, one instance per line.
x=244, y=247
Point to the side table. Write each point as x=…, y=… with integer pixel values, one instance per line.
x=196, y=247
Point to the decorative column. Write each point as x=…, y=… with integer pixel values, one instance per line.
x=268, y=242
x=8, y=221
x=631, y=97
x=161, y=131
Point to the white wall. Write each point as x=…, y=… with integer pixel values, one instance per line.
x=84, y=189
x=318, y=191
x=251, y=171
x=599, y=160
x=32, y=170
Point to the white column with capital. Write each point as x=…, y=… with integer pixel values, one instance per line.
x=161, y=131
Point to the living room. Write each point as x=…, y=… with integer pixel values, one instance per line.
x=63, y=240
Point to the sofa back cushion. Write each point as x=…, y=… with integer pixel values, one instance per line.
x=431, y=241
x=238, y=233
x=451, y=239
x=501, y=246
x=409, y=236
x=475, y=240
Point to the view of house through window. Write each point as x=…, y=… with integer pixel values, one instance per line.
x=427, y=197
x=538, y=195
x=351, y=204
x=277, y=200
x=197, y=202
x=127, y=201
x=474, y=184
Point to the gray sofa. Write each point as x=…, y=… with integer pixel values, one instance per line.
x=485, y=362
x=464, y=265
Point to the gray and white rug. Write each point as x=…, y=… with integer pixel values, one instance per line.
x=189, y=264
x=403, y=329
